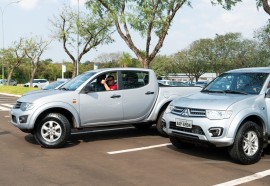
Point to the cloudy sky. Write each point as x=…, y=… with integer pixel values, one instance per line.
x=31, y=17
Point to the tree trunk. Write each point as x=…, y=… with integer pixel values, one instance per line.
x=33, y=74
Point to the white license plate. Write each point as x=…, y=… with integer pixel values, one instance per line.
x=183, y=123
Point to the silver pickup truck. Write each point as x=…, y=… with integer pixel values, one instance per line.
x=83, y=102
x=231, y=111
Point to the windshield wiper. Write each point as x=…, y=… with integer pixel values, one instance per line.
x=235, y=92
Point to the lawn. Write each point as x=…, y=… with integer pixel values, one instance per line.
x=18, y=90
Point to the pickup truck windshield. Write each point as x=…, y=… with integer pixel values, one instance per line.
x=74, y=83
x=237, y=83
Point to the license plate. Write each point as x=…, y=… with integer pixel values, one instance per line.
x=183, y=123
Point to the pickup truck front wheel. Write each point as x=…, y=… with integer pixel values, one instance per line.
x=248, y=144
x=159, y=125
x=53, y=131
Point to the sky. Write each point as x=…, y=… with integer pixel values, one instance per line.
x=31, y=17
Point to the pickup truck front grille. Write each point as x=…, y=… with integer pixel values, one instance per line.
x=18, y=105
x=194, y=130
x=189, y=112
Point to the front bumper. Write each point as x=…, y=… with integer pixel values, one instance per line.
x=199, y=133
x=20, y=119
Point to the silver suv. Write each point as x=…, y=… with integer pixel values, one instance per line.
x=231, y=111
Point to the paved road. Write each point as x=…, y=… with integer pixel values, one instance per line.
x=119, y=157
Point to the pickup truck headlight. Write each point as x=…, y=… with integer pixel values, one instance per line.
x=26, y=106
x=218, y=114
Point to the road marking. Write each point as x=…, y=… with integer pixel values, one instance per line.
x=4, y=108
x=246, y=179
x=138, y=149
x=8, y=105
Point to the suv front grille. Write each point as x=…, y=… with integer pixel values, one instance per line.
x=18, y=105
x=194, y=130
x=189, y=112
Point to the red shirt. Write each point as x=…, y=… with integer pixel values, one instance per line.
x=113, y=87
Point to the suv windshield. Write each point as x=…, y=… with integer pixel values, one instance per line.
x=237, y=83
x=74, y=83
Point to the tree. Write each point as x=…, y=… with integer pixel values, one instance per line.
x=147, y=17
x=194, y=60
x=125, y=60
x=228, y=4
x=14, y=56
x=163, y=65
x=92, y=31
x=34, y=47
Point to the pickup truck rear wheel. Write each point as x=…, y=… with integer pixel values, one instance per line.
x=248, y=144
x=180, y=144
x=53, y=131
x=160, y=126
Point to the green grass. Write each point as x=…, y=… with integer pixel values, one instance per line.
x=18, y=90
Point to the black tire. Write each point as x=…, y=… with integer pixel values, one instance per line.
x=159, y=125
x=248, y=144
x=53, y=131
x=180, y=144
x=143, y=126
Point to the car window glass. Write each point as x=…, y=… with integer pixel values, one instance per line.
x=134, y=79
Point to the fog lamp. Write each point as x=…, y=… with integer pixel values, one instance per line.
x=216, y=131
x=23, y=119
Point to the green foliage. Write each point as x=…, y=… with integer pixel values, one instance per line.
x=17, y=90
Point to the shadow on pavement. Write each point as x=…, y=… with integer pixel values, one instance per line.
x=78, y=136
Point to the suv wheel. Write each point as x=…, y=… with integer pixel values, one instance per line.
x=53, y=131
x=248, y=144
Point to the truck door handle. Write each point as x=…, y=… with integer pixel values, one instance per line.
x=115, y=96
x=149, y=92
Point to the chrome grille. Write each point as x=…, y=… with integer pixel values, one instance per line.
x=189, y=112
x=194, y=130
x=18, y=105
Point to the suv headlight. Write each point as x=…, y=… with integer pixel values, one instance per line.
x=218, y=114
x=26, y=106
x=169, y=108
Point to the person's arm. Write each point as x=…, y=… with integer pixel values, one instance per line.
x=103, y=82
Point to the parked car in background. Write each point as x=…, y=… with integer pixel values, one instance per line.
x=201, y=83
x=11, y=82
x=172, y=83
x=38, y=83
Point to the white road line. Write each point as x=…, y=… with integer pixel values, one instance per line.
x=8, y=105
x=4, y=109
x=246, y=179
x=137, y=149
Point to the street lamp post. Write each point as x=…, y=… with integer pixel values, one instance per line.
x=3, y=34
x=78, y=44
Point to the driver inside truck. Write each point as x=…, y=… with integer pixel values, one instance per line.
x=109, y=83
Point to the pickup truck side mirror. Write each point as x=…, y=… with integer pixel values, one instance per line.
x=267, y=93
x=89, y=88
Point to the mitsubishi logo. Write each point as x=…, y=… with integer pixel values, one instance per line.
x=185, y=113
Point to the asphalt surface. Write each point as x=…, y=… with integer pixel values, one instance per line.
x=117, y=157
